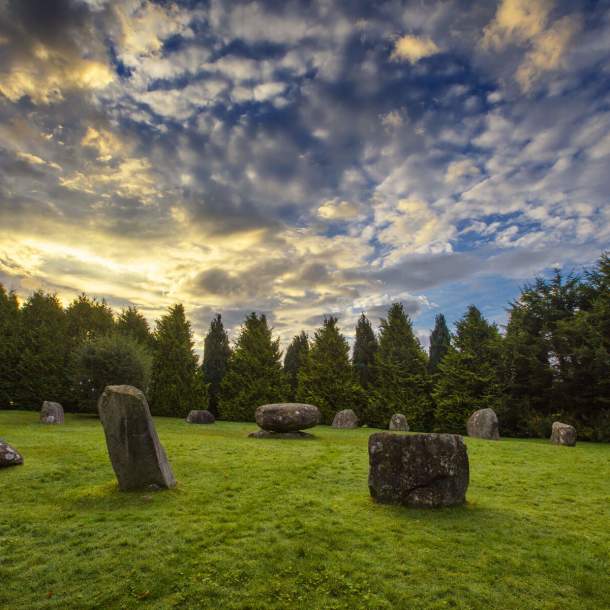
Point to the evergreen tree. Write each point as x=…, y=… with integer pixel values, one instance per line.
x=88, y=318
x=176, y=385
x=440, y=341
x=402, y=384
x=254, y=376
x=43, y=346
x=9, y=347
x=216, y=353
x=326, y=379
x=365, y=348
x=469, y=375
x=296, y=355
x=131, y=323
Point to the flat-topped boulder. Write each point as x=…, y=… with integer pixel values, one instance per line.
x=9, y=456
x=200, y=417
x=51, y=413
x=420, y=470
x=398, y=422
x=563, y=434
x=483, y=423
x=137, y=457
x=345, y=419
x=287, y=416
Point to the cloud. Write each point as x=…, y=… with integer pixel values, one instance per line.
x=413, y=48
x=338, y=210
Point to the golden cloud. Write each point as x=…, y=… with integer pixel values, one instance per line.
x=413, y=48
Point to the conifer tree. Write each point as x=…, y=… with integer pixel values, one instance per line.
x=469, y=375
x=365, y=348
x=176, y=385
x=87, y=318
x=402, y=384
x=43, y=345
x=131, y=323
x=326, y=379
x=295, y=358
x=9, y=347
x=440, y=341
x=254, y=375
x=216, y=353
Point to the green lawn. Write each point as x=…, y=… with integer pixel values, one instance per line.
x=290, y=524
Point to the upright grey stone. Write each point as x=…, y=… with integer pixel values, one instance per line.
x=51, y=413
x=9, y=456
x=483, y=423
x=137, y=456
x=200, y=417
x=398, y=422
x=345, y=419
x=563, y=434
x=420, y=470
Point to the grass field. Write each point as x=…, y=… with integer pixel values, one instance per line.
x=290, y=524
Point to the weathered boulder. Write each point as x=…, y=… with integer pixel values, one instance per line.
x=9, y=456
x=287, y=416
x=345, y=419
x=483, y=423
x=421, y=470
x=296, y=434
x=137, y=457
x=51, y=413
x=399, y=422
x=200, y=417
x=563, y=434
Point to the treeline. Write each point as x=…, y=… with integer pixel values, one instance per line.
x=552, y=362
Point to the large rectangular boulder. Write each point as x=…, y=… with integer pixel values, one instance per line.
x=137, y=457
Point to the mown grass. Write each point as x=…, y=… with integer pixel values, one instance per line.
x=290, y=524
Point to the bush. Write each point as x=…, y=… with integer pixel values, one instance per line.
x=108, y=360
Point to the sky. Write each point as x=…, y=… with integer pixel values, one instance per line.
x=302, y=158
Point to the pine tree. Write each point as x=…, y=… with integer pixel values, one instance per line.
x=254, y=376
x=402, y=384
x=469, y=375
x=131, y=323
x=365, y=348
x=87, y=318
x=216, y=353
x=440, y=341
x=176, y=385
x=326, y=379
x=43, y=345
x=296, y=355
x=9, y=347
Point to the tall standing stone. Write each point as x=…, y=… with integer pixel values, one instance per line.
x=137, y=456
x=483, y=423
x=51, y=413
x=420, y=470
x=345, y=419
x=9, y=456
x=563, y=434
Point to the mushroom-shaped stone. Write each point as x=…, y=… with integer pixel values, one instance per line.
x=483, y=423
x=137, y=457
x=421, y=470
x=9, y=456
x=51, y=413
x=200, y=417
x=399, y=422
x=345, y=419
x=563, y=434
x=287, y=417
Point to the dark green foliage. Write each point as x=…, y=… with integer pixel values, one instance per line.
x=43, y=345
x=131, y=323
x=108, y=360
x=87, y=318
x=326, y=379
x=216, y=353
x=254, y=376
x=176, y=384
x=440, y=342
x=9, y=347
x=365, y=348
x=469, y=375
x=296, y=355
x=402, y=384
